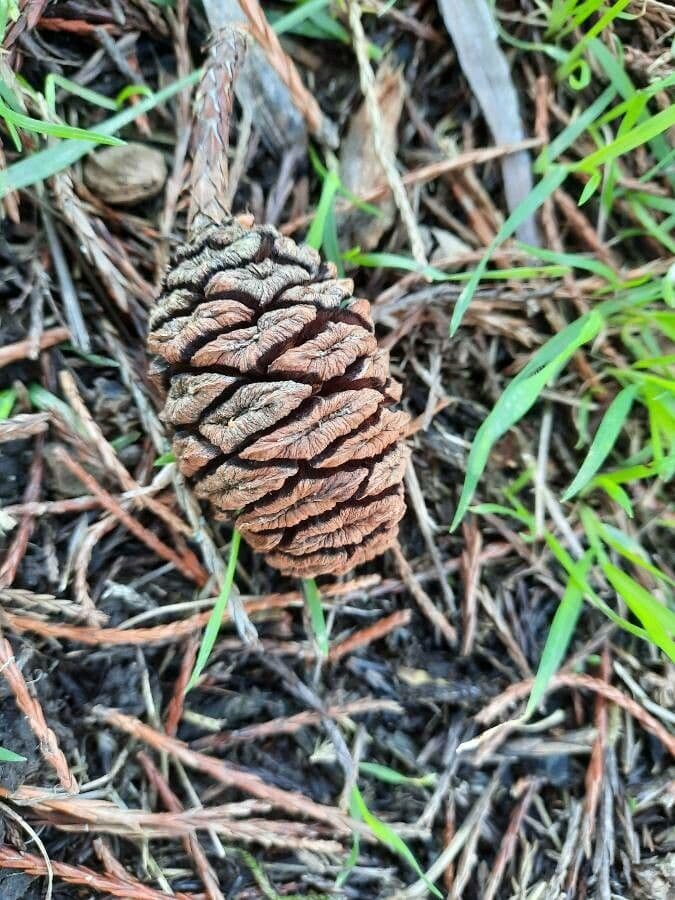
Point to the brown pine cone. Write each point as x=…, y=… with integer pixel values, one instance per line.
x=279, y=399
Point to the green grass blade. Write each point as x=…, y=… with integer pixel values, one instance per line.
x=604, y=440
x=616, y=492
x=55, y=129
x=575, y=129
x=216, y=617
x=54, y=80
x=353, y=857
x=298, y=15
x=518, y=397
x=165, y=459
x=580, y=47
x=315, y=235
x=391, y=776
x=568, y=564
x=7, y=401
x=573, y=261
x=641, y=134
x=658, y=620
x=560, y=633
x=313, y=599
x=541, y=191
x=577, y=333
x=46, y=163
x=8, y=756
x=390, y=839
x=631, y=550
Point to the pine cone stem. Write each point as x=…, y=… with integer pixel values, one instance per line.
x=213, y=110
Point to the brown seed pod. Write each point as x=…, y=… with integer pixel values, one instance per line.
x=278, y=397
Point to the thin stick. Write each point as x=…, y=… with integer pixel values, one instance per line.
x=227, y=774
x=104, y=884
x=383, y=152
x=30, y=707
x=366, y=636
x=434, y=615
x=187, y=564
x=13, y=352
x=285, y=68
x=191, y=842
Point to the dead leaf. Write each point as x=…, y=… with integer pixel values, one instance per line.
x=360, y=167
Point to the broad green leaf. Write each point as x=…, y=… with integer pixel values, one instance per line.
x=313, y=599
x=560, y=633
x=604, y=440
x=216, y=617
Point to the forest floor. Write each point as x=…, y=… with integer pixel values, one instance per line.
x=117, y=782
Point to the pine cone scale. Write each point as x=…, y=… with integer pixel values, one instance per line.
x=278, y=396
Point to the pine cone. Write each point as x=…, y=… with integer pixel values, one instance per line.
x=279, y=399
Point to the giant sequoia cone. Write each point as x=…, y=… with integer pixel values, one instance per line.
x=280, y=399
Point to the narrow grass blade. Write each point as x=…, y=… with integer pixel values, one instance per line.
x=637, y=136
x=576, y=128
x=525, y=210
x=7, y=401
x=631, y=550
x=165, y=459
x=55, y=129
x=8, y=756
x=54, y=80
x=573, y=261
x=46, y=163
x=577, y=333
x=560, y=633
x=657, y=619
x=568, y=564
x=519, y=396
x=391, y=776
x=313, y=599
x=616, y=492
x=315, y=235
x=216, y=618
x=604, y=440
x=390, y=839
x=353, y=857
x=298, y=15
